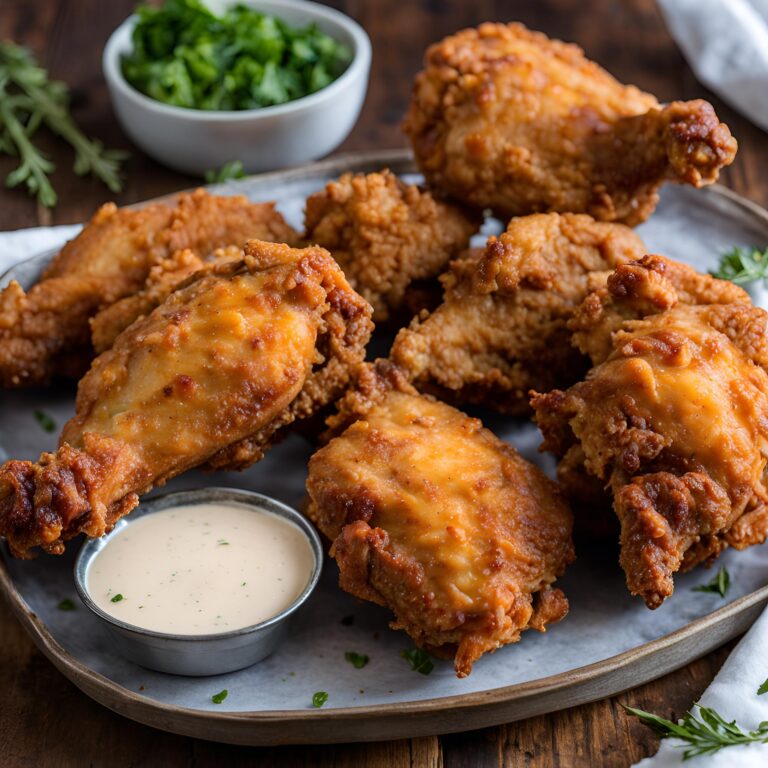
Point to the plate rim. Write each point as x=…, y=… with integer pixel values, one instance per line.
x=403, y=719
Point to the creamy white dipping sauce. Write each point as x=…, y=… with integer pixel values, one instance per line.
x=201, y=569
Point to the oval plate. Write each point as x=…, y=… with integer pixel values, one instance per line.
x=608, y=643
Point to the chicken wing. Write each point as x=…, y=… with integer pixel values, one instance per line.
x=644, y=287
x=211, y=375
x=674, y=420
x=387, y=236
x=502, y=327
x=161, y=281
x=435, y=518
x=45, y=331
x=505, y=118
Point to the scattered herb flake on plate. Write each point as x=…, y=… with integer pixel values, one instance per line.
x=418, y=659
x=227, y=172
x=117, y=598
x=763, y=688
x=187, y=56
x=719, y=585
x=66, y=605
x=357, y=660
x=319, y=698
x=217, y=698
x=47, y=424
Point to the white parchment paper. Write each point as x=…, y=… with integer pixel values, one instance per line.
x=603, y=621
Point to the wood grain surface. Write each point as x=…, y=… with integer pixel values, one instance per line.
x=45, y=721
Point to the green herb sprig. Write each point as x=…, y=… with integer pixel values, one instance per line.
x=187, y=56
x=217, y=698
x=46, y=422
x=28, y=99
x=719, y=585
x=743, y=265
x=228, y=172
x=703, y=731
x=419, y=660
x=357, y=660
x=319, y=698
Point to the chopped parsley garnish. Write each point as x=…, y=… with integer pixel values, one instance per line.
x=719, y=584
x=348, y=621
x=223, y=543
x=319, y=698
x=763, y=688
x=357, y=660
x=232, y=170
x=703, y=732
x=117, y=598
x=418, y=659
x=47, y=424
x=743, y=265
x=66, y=605
x=217, y=698
x=186, y=55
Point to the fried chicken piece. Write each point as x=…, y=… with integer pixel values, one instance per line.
x=162, y=280
x=674, y=421
x=505, y=118
x=644, y=287
x=212, y=375
x=434, y=517
x=502, y=327
x=386, y=235
x=43, y=331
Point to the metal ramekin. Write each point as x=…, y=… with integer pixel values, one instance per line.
x=198, y=655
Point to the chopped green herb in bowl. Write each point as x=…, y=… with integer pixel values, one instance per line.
x=187, y=56
x=270, y=83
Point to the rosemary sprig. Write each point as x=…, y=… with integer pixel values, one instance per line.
x=703, y=731
x=34, y=167
x=28, y=99
x=743, y=265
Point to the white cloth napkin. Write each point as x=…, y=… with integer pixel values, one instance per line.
x=733, y=693
x=726, y=44
x=23, y=243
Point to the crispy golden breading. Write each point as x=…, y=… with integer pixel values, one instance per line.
x=674, y=421
x=211, y=375
x=162, y=280
x=386, y=235
x=644, y=287
x=502, y=328
x=505, y=118
x=435, y=518
x=44, y=330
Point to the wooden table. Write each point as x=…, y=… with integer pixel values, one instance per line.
x=44, y=720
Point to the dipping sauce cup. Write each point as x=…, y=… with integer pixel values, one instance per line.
x=191, y=654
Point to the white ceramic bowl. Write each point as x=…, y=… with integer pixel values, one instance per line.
x=194, y=141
